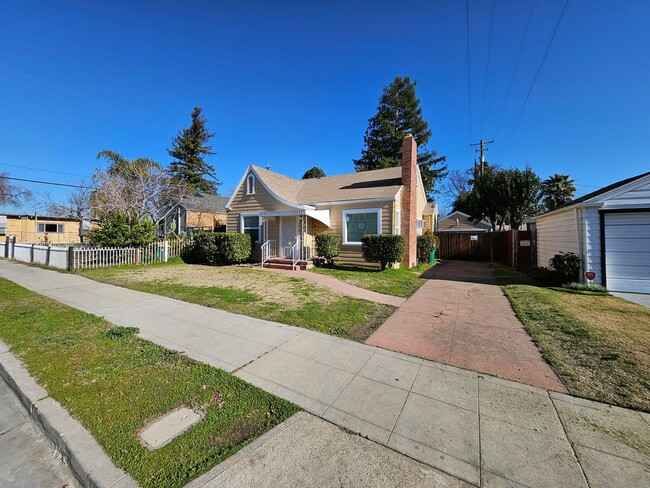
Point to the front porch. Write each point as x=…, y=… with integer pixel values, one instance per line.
x=288, y=237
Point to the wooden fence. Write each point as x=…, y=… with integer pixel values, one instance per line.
x=487, y=246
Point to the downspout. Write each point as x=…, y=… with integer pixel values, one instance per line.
x=579, y=242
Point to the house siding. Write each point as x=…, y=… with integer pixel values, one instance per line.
x=25, y=230
x=590, y=230
x=636, y=197
x=556, y=233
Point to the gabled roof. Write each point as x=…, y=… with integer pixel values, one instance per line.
x=203, y=202
x=430, y=208
x=597, y=193
x=380, y=184
x=464, y=220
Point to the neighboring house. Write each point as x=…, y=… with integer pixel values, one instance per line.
x=461, y=222
x=430, y=216
x=200, y=212
x=283, y=215
x=609, y=230
x=37, y=229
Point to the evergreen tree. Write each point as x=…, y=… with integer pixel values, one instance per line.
x=557, y=190
x=189, y=148
x=314, y=172
x=399, y=114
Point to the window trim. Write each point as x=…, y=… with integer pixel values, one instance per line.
x=398, y=222
x=359, y=211
x=259, y=224
x=250, y=184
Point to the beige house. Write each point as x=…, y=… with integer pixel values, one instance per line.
x=37, y=229
x=430, y=216
x=283, y=215
x=200, y=212
x=461, y=222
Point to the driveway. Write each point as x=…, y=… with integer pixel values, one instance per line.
x=462, y=318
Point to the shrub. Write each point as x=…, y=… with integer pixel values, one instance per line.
x=328, y=246
x=594, y=287
x=567, y=265
x=384, y=249
x=119, y=229
x=218, y=248
x=426, y=243
x=544, y=276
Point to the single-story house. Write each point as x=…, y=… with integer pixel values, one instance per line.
x=430, y=216
x=40, y=229
x=458, y=221
x=609, y=229
x=283, y=215
x=199, y=212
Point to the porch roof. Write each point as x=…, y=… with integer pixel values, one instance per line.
x=322, y=216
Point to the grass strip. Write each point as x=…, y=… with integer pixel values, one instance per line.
x=115, y=384
x=397, y=282
x=599, y=345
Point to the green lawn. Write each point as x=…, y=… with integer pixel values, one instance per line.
x=599, y=345
x=115, y=383
x=396, y=282
x=256, y=293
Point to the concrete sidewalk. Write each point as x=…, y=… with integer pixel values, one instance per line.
x=462, y=318
x=477, y=428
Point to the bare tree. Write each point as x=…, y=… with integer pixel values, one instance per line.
x=12, y=194
x=139, y=187
x=77, y=204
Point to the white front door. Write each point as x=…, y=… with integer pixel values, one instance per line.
x=288, y=235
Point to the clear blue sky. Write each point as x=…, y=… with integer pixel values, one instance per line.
x=292, y=84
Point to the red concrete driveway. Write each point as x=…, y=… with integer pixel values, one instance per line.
x=461, y=317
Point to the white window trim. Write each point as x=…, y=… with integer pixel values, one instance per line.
x=250, y=184
x=358, y=211
x=398, y=222
x=259, y=224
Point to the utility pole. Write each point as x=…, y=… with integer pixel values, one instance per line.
x=482, y=150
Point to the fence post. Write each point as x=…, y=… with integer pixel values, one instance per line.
x=70, y=258
x=31, y=253
x=137, y=255
x=165, y=250
x=12, y=251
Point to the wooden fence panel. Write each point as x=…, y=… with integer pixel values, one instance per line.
x=473, y=246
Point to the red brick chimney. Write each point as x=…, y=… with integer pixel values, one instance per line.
x=409, y=200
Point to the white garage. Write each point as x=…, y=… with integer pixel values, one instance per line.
x=609, y=229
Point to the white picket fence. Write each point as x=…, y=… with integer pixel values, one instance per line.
x=73, y=257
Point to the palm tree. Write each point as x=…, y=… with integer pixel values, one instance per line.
x=557, y=190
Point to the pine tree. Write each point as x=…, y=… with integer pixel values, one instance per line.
x=399, y=114
x=189, y=147
x=314, y=172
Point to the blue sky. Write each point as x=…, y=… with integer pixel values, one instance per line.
x=292, y=84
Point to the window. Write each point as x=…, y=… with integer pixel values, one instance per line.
x=250, y=224
x=398, y=222
x=421, y=226
x=54, y=228
x=358, y=223
x=250, y=184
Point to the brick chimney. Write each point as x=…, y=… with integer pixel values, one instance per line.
x=409, y=200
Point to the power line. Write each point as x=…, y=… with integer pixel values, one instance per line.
x=469, y=79
x=487, y=68
x=39, y=169
x=47, y=182
x=548, y=47
x=514, y=71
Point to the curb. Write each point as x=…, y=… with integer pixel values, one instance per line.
x=89, y=463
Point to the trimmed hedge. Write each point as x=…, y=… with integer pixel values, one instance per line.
x=567, y=266
x=384, y=249
x=426, y=243
x=218, y=248
x=328, y=246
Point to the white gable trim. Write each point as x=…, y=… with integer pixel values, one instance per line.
x=603, y=197
x=249, y=170
x=424, y=193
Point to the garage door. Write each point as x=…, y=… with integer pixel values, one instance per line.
x=627, y=248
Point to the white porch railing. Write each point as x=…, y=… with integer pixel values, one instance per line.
x=269, y=250
x=295, y=254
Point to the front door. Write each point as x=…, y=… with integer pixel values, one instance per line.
x=288, y=235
